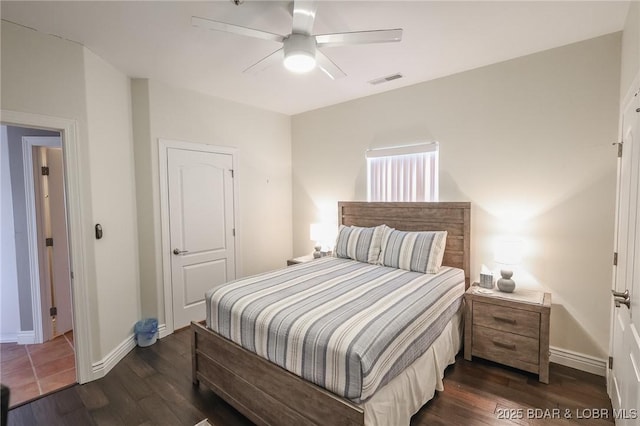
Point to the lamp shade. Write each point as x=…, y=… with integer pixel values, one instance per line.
x=509, y=251
x=315, y=231
x=322, y=233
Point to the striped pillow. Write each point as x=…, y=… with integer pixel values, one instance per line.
x=413, y=251
x=361, y=244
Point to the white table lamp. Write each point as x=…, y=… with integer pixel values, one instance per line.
x=322, y=234
x=508, y=254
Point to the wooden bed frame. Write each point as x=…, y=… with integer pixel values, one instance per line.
x=270, y=395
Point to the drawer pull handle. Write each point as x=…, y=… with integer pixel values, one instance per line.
x=507, y=320
x=505, y=345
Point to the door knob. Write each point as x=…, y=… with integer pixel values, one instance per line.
x=624, y=295
x=619, y=302
x=621, y=298
x=178, y=251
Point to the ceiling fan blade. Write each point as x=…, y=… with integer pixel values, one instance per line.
x=269, y=60
x=327, y=65
x=304, y=15
x=359, y=37
x=235, y=29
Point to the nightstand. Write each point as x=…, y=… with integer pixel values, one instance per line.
x=509, y=328
x=301, y=259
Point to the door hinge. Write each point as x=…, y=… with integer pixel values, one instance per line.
x=233, y=232
x=619, y=148
x=610, y=362
x=48, y=242
x=615, y=259
x=53, y=311
x=72, y=276
x=232, y=173
x=45, y=171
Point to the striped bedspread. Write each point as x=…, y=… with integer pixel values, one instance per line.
x=347, y=326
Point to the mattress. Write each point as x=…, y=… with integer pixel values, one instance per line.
x=347, y=326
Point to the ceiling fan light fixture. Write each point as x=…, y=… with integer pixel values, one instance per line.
x=299, y=53
x=299, y=50
x=299, y=62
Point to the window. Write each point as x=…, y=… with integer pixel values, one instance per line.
x=408, y=173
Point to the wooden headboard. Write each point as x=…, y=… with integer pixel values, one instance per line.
x=453, y=217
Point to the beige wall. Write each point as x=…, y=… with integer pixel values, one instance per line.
x=46, y=75
x=113, y=200
x=147, y=216
x=263, y=140
x=527, y=141
x=630, y=63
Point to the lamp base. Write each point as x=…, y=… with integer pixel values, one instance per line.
x=317, y=253
x=506, y=284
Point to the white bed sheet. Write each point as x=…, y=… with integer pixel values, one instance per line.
x=403, y=396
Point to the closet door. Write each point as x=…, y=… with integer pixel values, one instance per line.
x=200, y=207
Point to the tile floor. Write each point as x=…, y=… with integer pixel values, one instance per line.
x=34, y=370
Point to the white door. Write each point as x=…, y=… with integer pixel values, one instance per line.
x=58, y=255
x=53, y=257
x=201, y=228
x=624, y=377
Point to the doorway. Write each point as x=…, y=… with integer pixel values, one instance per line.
x=38, y=355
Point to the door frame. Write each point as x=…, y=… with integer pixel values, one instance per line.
x=163, y=146
x=74, y=171
x=37, y=307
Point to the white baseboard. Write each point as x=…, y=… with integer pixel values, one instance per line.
x=27, y=337
x=579, y=361
x=102, y=367
x=8, y=337
x=163, y=331
x=21, y=337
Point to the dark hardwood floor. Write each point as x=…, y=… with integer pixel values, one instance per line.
x=152, y=386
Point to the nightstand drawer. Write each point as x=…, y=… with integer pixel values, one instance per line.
x=525, y=323
x=506, y=348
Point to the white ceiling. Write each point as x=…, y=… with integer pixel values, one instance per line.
x=155, y=39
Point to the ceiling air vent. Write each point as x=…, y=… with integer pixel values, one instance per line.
x=386, y=79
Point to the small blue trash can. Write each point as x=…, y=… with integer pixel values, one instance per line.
x=146, y=331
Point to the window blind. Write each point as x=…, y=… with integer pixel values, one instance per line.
x=403, y=174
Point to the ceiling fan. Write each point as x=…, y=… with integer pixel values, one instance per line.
x=299, y=50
